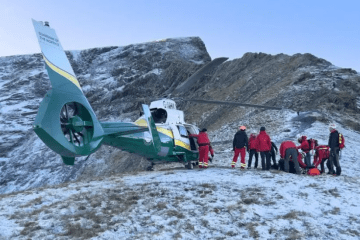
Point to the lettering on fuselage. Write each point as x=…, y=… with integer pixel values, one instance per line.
x=169, y=105
x=47, y=38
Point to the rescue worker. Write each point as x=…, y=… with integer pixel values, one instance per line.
x=252, y=150
x=334, y=150
x=304, y=146
x=204, y=143
x=263, y=144
x=322, y=154
x=240, y=144
x=289, y=152
x=273, y=152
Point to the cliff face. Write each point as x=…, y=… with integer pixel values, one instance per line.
x=302, y=82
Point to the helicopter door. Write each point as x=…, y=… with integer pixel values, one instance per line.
x=181, y=137
x=192, y=130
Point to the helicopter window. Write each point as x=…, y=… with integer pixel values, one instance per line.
x=182, y=131
x=159, y=115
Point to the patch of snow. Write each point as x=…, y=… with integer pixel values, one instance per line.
x=76, y=54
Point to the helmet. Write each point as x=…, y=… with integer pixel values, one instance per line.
x=332, y=126
x=203, y=130
x=242, y=128
x=299, y=138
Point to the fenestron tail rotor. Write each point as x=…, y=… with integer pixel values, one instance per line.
x=76, y=124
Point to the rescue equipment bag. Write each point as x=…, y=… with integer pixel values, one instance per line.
x=313, y=172
x=341, y=141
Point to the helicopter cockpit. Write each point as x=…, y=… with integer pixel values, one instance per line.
x=159, y=115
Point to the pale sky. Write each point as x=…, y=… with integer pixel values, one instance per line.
x=327, y=29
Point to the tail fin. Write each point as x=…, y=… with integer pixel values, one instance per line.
x=65, y=122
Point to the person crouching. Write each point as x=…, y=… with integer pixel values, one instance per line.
x=240, y=144
x=288, y=152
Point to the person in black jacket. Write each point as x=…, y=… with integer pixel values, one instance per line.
x=334, y=150
x=273, y=152
x=240, y=144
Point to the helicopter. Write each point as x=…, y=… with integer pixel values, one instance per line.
x=67, y=124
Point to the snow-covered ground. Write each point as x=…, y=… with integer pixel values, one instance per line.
x=217, y=203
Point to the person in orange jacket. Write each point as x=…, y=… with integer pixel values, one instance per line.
x=263, y=144
x=204, y=143
x=252, y=150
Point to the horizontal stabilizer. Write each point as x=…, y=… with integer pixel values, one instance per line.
x=122, y=128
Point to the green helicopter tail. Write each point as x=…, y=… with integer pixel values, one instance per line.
x=65, y=122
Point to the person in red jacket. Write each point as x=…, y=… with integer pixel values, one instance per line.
x=263, y=144
x=289, y=152
x=204, y=143
x=252, y=150
x=304, y=146
x=322, y=153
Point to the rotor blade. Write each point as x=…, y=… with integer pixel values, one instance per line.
x=134, y=100
x=198, y=74
x=29, y=113
x=231, y=103
x=67, y=113
x=75, y=108
x=76, y=139
x=71, y=137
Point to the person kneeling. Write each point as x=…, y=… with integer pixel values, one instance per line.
x=290, y=158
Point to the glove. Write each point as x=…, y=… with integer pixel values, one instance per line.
x=212, y=155
x=210, y=159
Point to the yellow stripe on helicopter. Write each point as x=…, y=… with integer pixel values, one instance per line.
x=66, y=75
x=142, y=122
x=182, y=144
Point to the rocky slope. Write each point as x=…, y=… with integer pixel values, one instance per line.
x=302, y=82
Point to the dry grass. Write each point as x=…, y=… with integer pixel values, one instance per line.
x=293, y=215
x=174, y=213
x=251, y=227
x=160, y=206
x=334, y=192
x=35, y=201
x=335, y=211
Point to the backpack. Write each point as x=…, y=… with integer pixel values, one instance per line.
x=312, y=143
x=341, y=141
x=313, y=172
